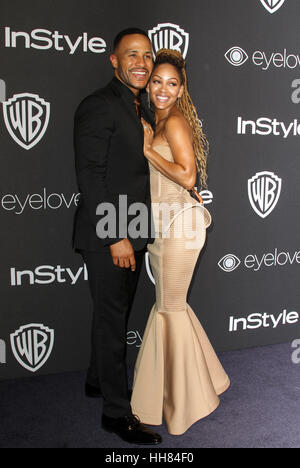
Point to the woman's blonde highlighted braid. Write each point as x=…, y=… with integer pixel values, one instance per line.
x=186, y=106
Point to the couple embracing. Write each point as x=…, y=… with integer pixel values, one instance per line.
x=140, y=136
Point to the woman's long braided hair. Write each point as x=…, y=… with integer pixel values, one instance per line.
x=186, y=106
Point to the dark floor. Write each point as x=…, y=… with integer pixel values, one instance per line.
x=261, y=409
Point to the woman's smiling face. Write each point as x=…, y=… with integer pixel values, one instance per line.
x=165, y=86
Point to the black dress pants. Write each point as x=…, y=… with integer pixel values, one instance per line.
x=113, y=290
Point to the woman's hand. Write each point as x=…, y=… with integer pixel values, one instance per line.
x=148, y=136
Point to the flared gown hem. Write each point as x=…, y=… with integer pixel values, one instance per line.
x=158, y=420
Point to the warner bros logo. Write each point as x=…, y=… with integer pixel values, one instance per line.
x=272, y=5
x=26, y=117
x=169, y=36
x=32, y=345
x=264, y=190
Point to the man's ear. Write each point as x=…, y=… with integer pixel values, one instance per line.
x=114, y=60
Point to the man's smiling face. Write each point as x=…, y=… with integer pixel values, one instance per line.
x=133, y=62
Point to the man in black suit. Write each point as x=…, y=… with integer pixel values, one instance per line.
x=108, y=139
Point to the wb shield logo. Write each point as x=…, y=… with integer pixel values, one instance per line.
x=272, y=5
x=26, y=117
x=264, y=190
x=32, y=345
x=169, y=36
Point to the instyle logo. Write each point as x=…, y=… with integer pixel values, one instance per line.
x=264, y=190
x=258, y=262
x=169, y=36
x=43, y=39
x=19, y=204
x=282, y=59
x=47, y=274
x=32, y=345
x=26, y=118
x=264, y=320
x=272, y=5
x=264, y=126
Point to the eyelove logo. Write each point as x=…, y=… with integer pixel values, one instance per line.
x=32, y=345
x=263, y=320
x=18, y=204
x=134, y=338
x=43, y=39
x=26, y=118
x=237, y=56
x=257, y=262
x=272, y=5
x=264, y=190
x=169, y=36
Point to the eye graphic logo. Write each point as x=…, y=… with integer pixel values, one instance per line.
x=272, y=5
x=229, y=263
x=236, y=56
x=26, y=117
x=32, y=345
x=169, y=36
x=264, y=190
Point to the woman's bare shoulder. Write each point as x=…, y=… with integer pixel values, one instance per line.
x=176, y=125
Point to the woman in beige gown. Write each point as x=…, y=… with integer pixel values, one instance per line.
x=177, y=374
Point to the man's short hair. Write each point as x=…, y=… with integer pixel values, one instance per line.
x=127, y=32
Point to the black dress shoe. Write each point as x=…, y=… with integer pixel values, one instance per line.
x=92, y=392
x=131, y=430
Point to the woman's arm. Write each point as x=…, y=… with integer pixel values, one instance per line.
x=179, y=136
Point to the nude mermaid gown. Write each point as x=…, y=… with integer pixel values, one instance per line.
x=177, y=373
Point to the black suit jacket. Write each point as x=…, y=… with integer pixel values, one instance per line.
x=108, y=141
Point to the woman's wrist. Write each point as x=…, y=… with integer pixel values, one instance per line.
x=148, y=151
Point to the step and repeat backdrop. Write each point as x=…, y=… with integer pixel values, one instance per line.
x=243, y=64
